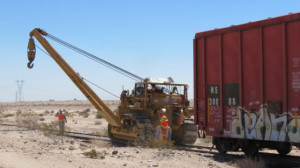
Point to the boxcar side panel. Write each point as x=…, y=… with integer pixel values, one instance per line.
x=213, y=85
x=273, y=66
x=200, y=84
x=252, y=96
x=274, y=79
x=231, y=77
x=252, y=69
x=293, y=50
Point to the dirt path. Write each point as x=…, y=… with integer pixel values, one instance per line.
x=30, y=148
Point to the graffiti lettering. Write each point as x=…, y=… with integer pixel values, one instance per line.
x=237, y=129
x=278, y=132
x=293, y=131
x=250, y=128
x=265, y=126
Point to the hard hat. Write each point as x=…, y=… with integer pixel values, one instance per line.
x=60, y=110
x=162, y=110
x=164, y=118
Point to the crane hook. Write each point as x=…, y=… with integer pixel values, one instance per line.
x=31, y=53
x=30, y=65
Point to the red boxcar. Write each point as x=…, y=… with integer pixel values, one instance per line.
x=247, y=84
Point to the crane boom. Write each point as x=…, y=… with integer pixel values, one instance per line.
x=139, y=111
x=102, y=108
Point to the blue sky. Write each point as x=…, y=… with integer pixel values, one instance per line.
x=149, y=38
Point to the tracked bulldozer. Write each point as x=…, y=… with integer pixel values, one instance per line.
x=151, y=99
x=140, y=109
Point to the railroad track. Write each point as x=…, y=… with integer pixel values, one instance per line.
x=86, y=137
x=270, y=159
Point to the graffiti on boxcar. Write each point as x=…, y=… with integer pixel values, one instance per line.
x=265, y=126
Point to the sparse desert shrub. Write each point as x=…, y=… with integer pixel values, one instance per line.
x=18, y=112
x=69, y=114
x=85, y=113
x=74, y=121
x=28, y=120
x=152, y=143
x=49, y=128
x=66, y=113
x=72, y=148
x=41, y=115
x=98, y=122
x=91, y=154
x=158, y=144
x=250, y=163
x=8, y=115
x=94, y=154
x=52, y=128
x=46, y=112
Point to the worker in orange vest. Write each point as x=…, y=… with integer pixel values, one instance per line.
x=62, y=119
x=163, y=131
x=154, y=88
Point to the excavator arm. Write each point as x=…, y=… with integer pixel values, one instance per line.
x=118, y=128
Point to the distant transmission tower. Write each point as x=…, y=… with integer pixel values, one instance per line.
x=19, y=92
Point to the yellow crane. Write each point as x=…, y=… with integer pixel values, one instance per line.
x=124, y=129
x=140, y=111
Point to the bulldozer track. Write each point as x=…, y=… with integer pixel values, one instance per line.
x=270, y=159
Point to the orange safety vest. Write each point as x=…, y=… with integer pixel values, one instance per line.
x=164, y=133
x=155, y=89
x=61, y=117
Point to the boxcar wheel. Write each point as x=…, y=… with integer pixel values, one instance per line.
x=220, y=146
x=250, y=148
x=284, y=148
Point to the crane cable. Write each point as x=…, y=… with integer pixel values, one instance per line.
x=83, y=77
x=96, y=59
x=99, y=87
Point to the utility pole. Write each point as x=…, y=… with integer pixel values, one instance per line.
x=19, y=92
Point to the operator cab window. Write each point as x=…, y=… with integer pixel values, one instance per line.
x=139, y=89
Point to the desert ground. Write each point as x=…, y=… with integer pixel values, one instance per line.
x=27, y=140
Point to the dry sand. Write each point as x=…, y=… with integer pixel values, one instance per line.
x=21, y=147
